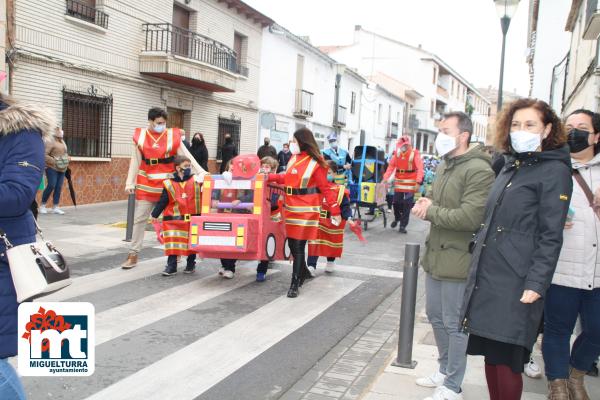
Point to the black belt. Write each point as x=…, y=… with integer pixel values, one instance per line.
x=294, y=191
x=406, y=171
x=155, y=161
x=185, y=217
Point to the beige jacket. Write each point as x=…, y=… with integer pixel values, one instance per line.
x=55, y=149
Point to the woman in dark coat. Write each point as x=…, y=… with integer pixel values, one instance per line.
x=517, y=248
x=199, y=151
x=21, y=168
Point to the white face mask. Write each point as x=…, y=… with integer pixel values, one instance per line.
x=524, y=142
x=444, y=144
x=294, y=148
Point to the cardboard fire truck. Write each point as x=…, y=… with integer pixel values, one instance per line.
x=245, y=228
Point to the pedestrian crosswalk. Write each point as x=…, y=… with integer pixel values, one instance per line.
x=188, y=334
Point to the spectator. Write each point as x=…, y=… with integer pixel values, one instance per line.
x=23, y=130
x=266, y=150
x=522, y=236
x=228, y=151
x=57, y=162
x=284, y=157
x=455, y=212
x=199, y=151
x=575, y=289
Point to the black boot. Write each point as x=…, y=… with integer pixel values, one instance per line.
x=293, y=292
x=304, y=275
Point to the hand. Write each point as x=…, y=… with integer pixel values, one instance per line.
x=336, y=220
x=215, y=203
x=228, y=177
x=198, y=178
x=154, y=220
x=235, y=202
x=130, y=190
x=568, y=225
x=347, y=167
x=529, y=297
x=418, y=211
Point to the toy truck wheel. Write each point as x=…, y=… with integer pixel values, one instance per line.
x=270, y=246
x=286, y=250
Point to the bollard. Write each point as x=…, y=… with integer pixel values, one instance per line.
x=130, y=217
x=407, y=308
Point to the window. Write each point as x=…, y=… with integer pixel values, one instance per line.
x=231, y=127
x=85, y=10
x=240, y=46
x=379, y=113
x=87, y=122
x=425, y=139
x=353, y=103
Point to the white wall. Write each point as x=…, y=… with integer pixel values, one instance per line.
x=376, y=128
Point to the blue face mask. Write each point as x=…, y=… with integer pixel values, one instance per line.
x=160, y=128
x=187, y=172
x=330, y=178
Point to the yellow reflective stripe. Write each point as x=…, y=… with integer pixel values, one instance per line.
x=169, y=186
x=198, y=195
x=308, y=173
x=405, y=180
x=150, y=189
x=169, y=142
x=161, y=176
x=301, y=222
x=174, y=232
x=326, y=243
x=176, y=246
x=340, y=195
x=331, y=231
x=142, y=138
x=291, y=163
x=303, y=209
x=404, y=187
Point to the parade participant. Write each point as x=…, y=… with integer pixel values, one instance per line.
x=180, y=200
x=455, y=212
x=268, y=165
x=575, y=288
x=284, y=157
x=154, y=149
x=406, y=170
x=330, y=238
x=515, y=252
x=305, y=184
x=341, y=158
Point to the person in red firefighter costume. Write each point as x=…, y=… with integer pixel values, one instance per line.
x=154, y=149
x=406, y=170
x=305, y=183
x=181, y=199
x=330, y=238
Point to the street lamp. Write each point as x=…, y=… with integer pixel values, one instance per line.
x=506, y=9
x=339, y=71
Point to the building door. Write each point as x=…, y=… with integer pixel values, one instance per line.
x=181, y=36
x=175, y=118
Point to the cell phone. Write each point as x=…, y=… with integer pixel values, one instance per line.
x=570, y=214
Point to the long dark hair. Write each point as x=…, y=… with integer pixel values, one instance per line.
x=201, y=136
x=306, y=142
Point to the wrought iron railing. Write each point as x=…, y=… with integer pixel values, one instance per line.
x=86, y=13
x=303, y=103
x=170, y=39
x=231, y=127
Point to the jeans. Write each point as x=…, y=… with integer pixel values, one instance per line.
x=11, y=387
x=55, y=183
x=172, y=261
x=403, y=203
x=262, y=267
x=563, y=305
x=228, y=264
x=444, y=300
x=312, y=260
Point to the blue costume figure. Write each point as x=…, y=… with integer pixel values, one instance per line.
x=340, y=156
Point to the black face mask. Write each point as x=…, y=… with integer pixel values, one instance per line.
x=578, y=140
x=197, y=140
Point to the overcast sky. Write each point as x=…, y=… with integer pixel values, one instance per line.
x=464, y=33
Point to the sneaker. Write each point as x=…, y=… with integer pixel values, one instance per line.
x=261, y=277
x=221, y=271
x=169, y=271
x=228, y=274
x=329, y=267
x=58, y=211
x=313, y=270
x=434, y=380
x=43, y=209
x=394, y=224
x=189, y=269
x=532, y=369
x=389, y=211
x=443, y=393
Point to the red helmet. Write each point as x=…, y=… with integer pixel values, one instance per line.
x=245, y=166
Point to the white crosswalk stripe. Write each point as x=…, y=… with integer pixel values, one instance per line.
x=221, y=353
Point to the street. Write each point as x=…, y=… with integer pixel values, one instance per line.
x=201, y=336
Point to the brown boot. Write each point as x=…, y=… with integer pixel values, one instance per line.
x=557, y=390
x=575, y=385
x=131, y=261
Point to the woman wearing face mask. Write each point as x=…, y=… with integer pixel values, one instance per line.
x=199, y=151
x=305, y=183
x=575, y=289
x=517, y=248
x=57, y=161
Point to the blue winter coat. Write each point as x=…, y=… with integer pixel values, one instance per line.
x=21, y=168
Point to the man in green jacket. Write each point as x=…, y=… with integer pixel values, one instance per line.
x=456, y=211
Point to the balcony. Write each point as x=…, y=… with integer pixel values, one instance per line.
x=303, y=107
x=592, y=20
x=86, y=13
x=442, y=91
x=341, y=117
x=188, y=58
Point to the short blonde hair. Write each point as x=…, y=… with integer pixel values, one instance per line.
x=270, y=161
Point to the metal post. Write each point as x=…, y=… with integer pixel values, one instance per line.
x=407, y=308
x=504, y=23
x=130, y=217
